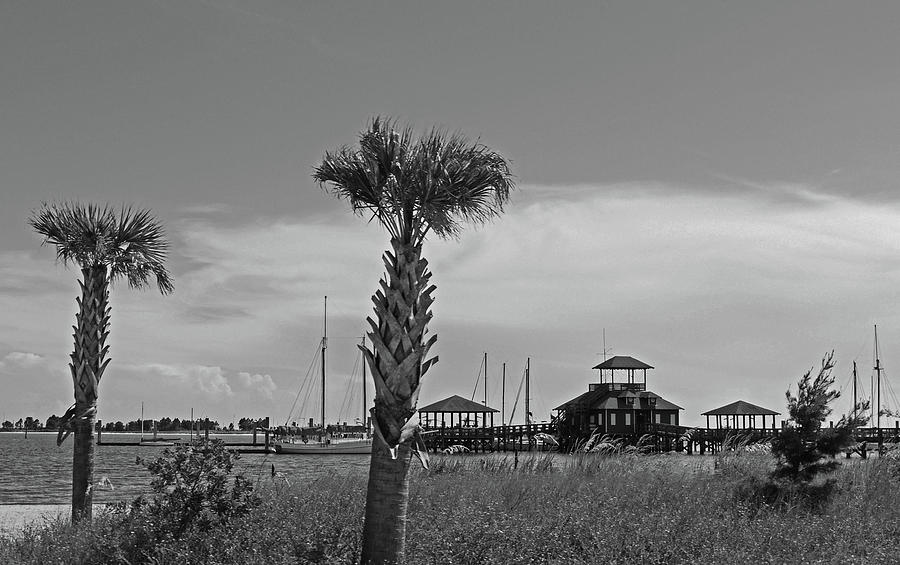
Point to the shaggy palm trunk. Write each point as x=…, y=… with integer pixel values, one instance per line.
x=87, y=366
x=397, y=365
x=384, y=532
x=83, y=470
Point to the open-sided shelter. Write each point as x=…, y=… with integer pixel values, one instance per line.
x=456, y=411
x=740, y=415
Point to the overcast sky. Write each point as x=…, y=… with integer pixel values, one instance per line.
x=713, y=183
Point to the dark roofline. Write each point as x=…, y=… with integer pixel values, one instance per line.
x=593, y=397
x=623, y=362
x=741, y=408
x=456, y=404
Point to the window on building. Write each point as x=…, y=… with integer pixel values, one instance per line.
x=593, y=419
x=612, y=418
x=657, y=418
x=627, y=418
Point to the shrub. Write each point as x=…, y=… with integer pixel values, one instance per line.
x=802, y=446
x=190, y=490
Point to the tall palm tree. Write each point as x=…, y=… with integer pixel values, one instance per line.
x=413, y=187
x=107, y=246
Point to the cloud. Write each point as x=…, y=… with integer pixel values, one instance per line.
x=208, y=209
x=747, y=286
x=261, y=383
x=27, y=274
x=22, y=359
x=269, y=266
x=203, y=378
x=580, y=253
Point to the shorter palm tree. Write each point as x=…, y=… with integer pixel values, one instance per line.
x=107, y=246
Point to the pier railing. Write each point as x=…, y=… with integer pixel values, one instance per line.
x=666, y=437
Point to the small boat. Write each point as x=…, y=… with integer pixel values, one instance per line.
x=326, y=442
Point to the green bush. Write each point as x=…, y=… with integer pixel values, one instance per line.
x=190, y=495
x=190, y=489
x=803, y=447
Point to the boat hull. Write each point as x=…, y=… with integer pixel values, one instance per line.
x=361, y=447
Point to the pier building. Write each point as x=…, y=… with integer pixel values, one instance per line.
x=618, y=404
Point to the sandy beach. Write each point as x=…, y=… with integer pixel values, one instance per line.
x=14, y=517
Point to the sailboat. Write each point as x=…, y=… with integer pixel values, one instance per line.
x=329, y=443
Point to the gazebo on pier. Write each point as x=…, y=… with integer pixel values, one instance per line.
x=456, y=411
x=627, y=365
x=740, y=415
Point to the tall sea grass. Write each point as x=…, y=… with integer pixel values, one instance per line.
x=540, y=508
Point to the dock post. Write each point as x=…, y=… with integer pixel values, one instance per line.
x=99, y=431
x=267, y=440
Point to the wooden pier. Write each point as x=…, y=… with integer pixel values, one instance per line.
x=489, y=439
x=655, y=437
x=253, y=446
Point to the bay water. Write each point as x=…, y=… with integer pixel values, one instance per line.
x=33, y=470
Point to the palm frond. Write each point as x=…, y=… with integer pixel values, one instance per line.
x=413, y=186
x=131, y=244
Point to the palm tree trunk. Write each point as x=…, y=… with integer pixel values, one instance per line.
x=83, y=470
x=397, y=363
x=87, y=366
x=387, y=497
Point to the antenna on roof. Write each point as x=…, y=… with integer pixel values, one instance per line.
x=604, y=344
x=605, y=352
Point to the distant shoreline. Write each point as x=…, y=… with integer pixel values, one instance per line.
x=146, y=433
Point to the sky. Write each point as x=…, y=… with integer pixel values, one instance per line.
x=712, y=185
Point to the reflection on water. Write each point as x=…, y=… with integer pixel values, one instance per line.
x=34, y=471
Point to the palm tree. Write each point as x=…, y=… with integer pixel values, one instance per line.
x=413, y=187
x=106, y=246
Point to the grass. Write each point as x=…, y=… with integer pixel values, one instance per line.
x=541, y=509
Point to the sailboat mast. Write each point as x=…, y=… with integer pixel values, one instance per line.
x=365, y=418
x=324, y=346
x=878, y=370
x=527, y=389
x=854, y=389
x=485, y=378
x=142, y=421
x=503, y=398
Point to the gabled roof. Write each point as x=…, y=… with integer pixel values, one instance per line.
x=623, y=362
x=616, y=400
x=741, y=408
x=457, y=403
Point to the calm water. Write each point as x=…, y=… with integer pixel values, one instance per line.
x=34, y=471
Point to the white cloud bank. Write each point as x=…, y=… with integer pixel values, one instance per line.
x=262, y=384
x=730, y=295
x=209, y=380
x=22, y=359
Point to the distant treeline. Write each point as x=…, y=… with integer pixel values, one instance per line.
x=163, y=425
